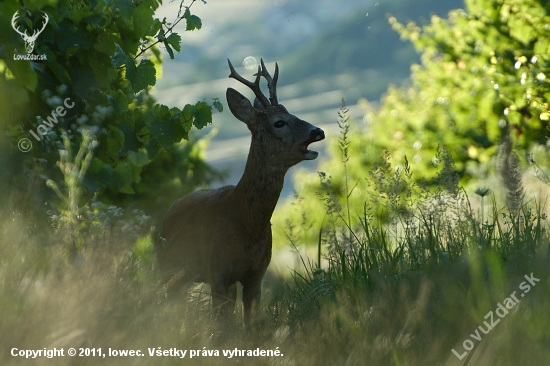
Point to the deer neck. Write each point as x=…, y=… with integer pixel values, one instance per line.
x=259, y=189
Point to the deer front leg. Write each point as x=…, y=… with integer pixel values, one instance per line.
x=252, y=292
x=223, y=299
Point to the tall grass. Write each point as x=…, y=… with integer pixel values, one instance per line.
x=411, y=275
x=403, y=282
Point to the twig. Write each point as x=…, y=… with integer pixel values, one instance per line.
x=168, y=30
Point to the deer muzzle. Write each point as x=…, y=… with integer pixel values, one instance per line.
x=315, y=135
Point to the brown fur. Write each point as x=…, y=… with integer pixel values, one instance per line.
x=223, y=236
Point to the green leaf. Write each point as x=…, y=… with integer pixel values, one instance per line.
x=106, y=45
x=218, y=105
x=128, y=127
x=177, y=119
x=128, y=38
x=99, y=63
x=485, y=106
x=95, y=19
x=193, y=21
x=125, y=177
x=161, y=35
x=156, y=27
x=174, y=40
x=169, y=50
x=73, y=38
x=143, y=20
x=520, y=30
x=187, y=113
x=118, y=102
x=24, y=72
x=166, y=132
x=119, y=58
x=142, y=76
x=160, y=111
x=202, y=114
x=12, y=96
x=175, y=113
x=125, y=8
x=139, y=158
x=98, y=175
x=115, y=141
x=541, y=46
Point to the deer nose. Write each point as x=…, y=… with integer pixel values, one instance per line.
x=317, y=135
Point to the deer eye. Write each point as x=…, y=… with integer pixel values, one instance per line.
x=279, y=124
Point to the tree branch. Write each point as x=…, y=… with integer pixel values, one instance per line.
x=179, y=18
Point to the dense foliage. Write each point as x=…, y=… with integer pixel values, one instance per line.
x=484, y=74
x=100, y=60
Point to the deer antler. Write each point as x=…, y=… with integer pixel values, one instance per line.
x=255, y=86
x=271, y=82
x=36, y=33
x=15, y=26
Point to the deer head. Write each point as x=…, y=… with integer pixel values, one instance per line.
x=282, y=136
x=29, y=40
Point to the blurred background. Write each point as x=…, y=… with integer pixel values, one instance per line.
x=326, y=51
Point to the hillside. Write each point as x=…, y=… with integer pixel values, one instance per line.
x=325, y=54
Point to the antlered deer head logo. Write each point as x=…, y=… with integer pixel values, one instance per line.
x=29, y=40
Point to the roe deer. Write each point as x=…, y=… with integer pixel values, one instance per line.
x=223, y=236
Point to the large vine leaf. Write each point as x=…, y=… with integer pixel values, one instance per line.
x=142, y=76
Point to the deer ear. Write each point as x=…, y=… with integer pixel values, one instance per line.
x=240, y=106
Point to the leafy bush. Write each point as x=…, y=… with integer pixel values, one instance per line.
x=484, y=76
x=101, y=60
